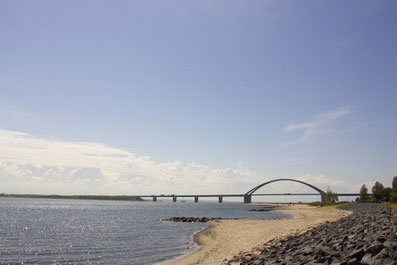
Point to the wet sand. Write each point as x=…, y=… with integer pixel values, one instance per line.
x=228, y=238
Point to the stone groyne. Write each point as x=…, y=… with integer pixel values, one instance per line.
x=191, y=219
x=368, y=236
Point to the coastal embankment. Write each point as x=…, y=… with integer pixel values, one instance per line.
x=368, y=236
x=228, y=238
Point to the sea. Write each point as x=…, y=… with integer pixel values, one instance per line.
x=64, y=231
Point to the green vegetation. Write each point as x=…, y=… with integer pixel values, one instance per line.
x=330, y=196
x=325, y=203
x=380, y=193
x=394, y=191
x=364, y=197
x=377, y=192
x=393, y=206
x=75, y=197
x=386, y=194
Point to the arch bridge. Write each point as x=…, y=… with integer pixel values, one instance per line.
x=248, y=195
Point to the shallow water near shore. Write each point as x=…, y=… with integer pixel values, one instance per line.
x=48, y=231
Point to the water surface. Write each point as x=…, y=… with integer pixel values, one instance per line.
x=57, y=231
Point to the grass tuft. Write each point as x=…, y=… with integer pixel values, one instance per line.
x=393, y=206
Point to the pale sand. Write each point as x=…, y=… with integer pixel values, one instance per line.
x=228, y=238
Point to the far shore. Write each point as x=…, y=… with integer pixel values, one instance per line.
x=228, y=238
x=75, y=197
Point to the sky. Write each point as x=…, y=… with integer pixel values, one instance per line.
x=148, y=97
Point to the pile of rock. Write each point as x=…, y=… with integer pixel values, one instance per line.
x=192, y=219
x=264, y=208
x=368, y=236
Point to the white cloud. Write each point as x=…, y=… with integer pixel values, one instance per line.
x=369, y=185
x=312, y=128
x=30, y=164
x=321, y=180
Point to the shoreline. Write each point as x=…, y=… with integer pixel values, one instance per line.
x=224, y=239
x=368, y=236
x=74, y=197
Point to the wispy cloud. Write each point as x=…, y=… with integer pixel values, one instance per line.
x=322, y=181
x=312, y=128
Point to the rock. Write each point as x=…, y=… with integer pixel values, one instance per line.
x=192, y=219
x=368, y=259
x=266, y=208
x=248, y=258
x=358, y=254
x=374, y=249
x=381, y=239
x=381, y=255
x=324, y=260
x=368, y=236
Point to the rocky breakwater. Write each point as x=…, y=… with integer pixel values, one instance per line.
x=265, y=208
x=368, y=236
x=192, y=219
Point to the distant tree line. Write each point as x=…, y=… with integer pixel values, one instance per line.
x=75, y=197
x=380, y=193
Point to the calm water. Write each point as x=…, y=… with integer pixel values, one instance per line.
x=42, y=231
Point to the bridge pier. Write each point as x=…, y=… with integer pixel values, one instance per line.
x=220, y=199
x=174, y=199
x=247, y=198
x=196, y=199
x=154, y=198
x=323, y=197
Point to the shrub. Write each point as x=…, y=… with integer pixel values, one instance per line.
x=364, y=197
x=377, y=192
x=394, y=191
x=331, y=196
x=386, y=194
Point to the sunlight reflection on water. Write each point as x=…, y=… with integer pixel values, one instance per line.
x=44, y=231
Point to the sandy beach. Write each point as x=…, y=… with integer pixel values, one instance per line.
x=228, y=238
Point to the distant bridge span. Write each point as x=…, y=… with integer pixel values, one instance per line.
x=248, y=195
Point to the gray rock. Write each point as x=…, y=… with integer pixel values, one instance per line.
x=358, y=254
x=368, y=236
x=374, y=249
x=368, y=259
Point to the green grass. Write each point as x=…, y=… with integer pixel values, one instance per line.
x=322, y=204
x=393, y=206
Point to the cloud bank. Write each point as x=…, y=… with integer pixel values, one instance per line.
x=30, y=164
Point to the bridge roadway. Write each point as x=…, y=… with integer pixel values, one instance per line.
x=244, y=196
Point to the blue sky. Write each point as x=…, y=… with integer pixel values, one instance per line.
x=246, y=91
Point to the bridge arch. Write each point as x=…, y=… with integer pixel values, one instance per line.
x=248, y=195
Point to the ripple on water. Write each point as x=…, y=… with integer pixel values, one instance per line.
x=44, y=231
